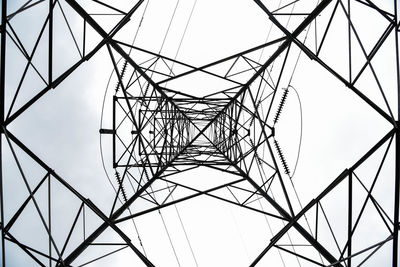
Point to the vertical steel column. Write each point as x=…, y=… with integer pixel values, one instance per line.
x=50, y=70
x=350, y=218
x=2, y=94
x=49, y=216
x=3, y=57
x=397, y=156
x=50, y=81
x=349, y=36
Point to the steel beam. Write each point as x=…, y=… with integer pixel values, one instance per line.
x=397, y=150
x=311, y=55
x=2, y=95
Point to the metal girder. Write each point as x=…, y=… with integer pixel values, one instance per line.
x=2, y=109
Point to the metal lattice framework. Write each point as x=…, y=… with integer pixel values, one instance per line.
x=159, y=132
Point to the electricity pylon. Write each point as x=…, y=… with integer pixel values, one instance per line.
x=159, y=132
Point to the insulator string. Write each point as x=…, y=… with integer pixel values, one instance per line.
x=282, y=157
x=281, y=105
x=121, y=186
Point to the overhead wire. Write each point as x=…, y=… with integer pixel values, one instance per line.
x=280, y=154
x=169, y=26
x=105, y=94
x=164, y=40
x=184, y=231
x=151, y=188
x=171, y=71
x=177, y=52
x=301, y=131
x=301, y=120
x=183, y=35
x=272, y=233
x=169, y=237
x=239, y=232
x=269, y=76
x=101, y=124
x=154, y=67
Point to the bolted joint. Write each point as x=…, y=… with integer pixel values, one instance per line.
x=106, y=131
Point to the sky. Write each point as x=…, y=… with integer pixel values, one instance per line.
x=335, y=128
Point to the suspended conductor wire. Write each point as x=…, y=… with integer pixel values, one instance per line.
x=239, y=233
x=282, y=103
x=186, y=235
x=105, y=94
x=184, y=33
x=162, y=218
x=133, y=42
x=300, y=106
x=269, y=32
x=145, y=93
x=290, y=239
x=101, y=124
x=164, y=223
x=183, y=227
x=163, y=42
x=169, y=238
x=298, y=56
x=103, y=163
x=272, y=233
x=139, y=27
x=279, y=150
x=301, y=132
x=171, y=69
x=169, y=26
x=287, y=23
x=298, y=156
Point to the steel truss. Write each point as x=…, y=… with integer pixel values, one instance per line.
x=159, y=132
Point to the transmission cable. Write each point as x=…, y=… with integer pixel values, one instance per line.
x=239, y=233
x=101, y=125
x=169, y=26
x=175, y=206
x=169, y=237
x=184, y=229
x=301, y=131
x=162, y=218
x=301, y=126
x=183, y=35
x=272, y=233
x=171, y=70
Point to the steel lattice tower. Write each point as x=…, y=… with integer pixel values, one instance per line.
x=162, y=138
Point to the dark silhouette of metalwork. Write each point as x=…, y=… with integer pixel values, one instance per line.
x=158, y=132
